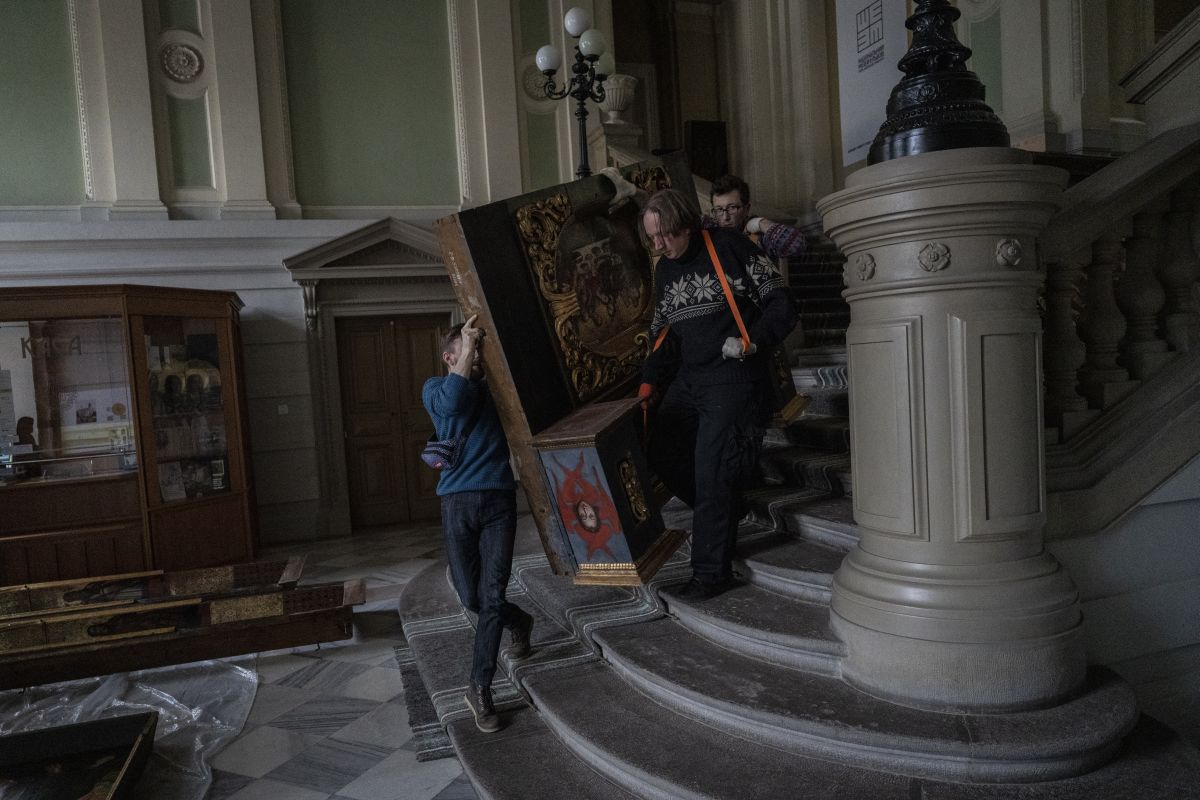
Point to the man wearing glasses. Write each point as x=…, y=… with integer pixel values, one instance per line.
x=730, y=198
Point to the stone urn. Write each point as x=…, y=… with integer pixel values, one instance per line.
x=618, y=94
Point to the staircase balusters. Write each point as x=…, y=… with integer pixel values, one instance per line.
x=1102, y=327
x=1140, y=294
x=1179, y=271
x=1064, y=351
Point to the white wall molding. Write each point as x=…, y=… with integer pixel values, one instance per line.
x=416, y=214
x=775, y=67
x=112, y=84
x=126, y=97
x=1166, y=79
x=279, y=171
x=231, y=255
x=242, y=177
x=485, y=92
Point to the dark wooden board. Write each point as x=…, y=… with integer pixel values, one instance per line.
x=97, y=759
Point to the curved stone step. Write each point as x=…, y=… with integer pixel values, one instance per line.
x=801, y=465
x=806, y=514
x=795, y=568
x=502, y=765
x=654, y=752
x=823, y=717
x=754, y=621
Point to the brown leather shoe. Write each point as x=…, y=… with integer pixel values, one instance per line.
x=479, y=700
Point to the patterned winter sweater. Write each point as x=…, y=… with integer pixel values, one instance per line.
x=689, y=299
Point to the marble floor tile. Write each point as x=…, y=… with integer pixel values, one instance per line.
x=379, y=597
x=225, y=784
x=324, y=715
x=323, y=675
x=386, y=726
x=278, y=664
x=460, y=788
x=401, y=777
x=362, y=650
x=330, y=766
x=261, y=750
x=271, y=700
x=277, y=790
x=329, y=720
x=377, y=683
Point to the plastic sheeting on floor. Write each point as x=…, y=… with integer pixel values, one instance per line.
x=201, y=706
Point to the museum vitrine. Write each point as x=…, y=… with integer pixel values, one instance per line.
x=122, y=435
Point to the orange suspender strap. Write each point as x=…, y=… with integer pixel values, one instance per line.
x=661, y=336
x=737, y=315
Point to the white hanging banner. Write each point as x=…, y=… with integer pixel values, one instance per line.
x=871, y=39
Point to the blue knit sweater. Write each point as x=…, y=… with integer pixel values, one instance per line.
x=484, y=464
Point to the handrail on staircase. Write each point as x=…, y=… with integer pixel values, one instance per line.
x=1119, y=190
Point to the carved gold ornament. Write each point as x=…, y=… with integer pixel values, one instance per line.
x=633, y=488
x=1008, y=253
x=934, y=257
x=587, y=293
x=651, y=179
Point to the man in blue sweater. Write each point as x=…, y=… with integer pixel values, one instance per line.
x=479, y=511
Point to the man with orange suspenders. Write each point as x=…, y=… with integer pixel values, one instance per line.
x=720, y=306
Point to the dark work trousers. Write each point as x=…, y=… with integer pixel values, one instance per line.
x=704, y=444
x=480, y=528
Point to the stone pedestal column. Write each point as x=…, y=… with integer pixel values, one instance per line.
x=949, y=601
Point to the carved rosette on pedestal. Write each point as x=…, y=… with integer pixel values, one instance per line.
x=949, y=600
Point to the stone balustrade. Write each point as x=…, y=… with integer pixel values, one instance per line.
x=1123, y=307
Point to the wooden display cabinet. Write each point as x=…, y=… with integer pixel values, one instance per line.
x=122, y=432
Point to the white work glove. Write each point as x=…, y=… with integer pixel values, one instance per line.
x=624, y=189
x=758, y=225
x=733, y=349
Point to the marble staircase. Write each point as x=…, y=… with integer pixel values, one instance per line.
x=636, y=693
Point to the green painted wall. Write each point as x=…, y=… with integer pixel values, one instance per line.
x=541, y=134
x=369, y=93
x=535, y=25
x=986, y=59
x=191, y=149
x=541, y=138
x=39, y=121
x=181, y=15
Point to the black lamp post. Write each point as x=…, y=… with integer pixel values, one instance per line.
x=939, y=104
x=593, y=63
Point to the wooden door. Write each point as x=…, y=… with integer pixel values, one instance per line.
x=383, y=362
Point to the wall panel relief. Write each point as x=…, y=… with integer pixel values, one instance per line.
x=888, y=413
x=998, y=497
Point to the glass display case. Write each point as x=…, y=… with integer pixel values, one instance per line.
x=122, y=436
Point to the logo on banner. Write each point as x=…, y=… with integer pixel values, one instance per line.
x=868, y=31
